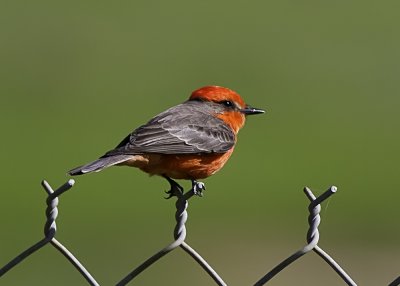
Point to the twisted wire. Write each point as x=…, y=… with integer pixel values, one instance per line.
x=314, y=220
x=179, y=235
x=181, y=217
x=50, y=229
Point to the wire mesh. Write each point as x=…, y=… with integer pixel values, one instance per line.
x=314, y=220
x=181, y=217
x=50, y=229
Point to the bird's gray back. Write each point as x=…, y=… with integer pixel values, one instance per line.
x=188, y=128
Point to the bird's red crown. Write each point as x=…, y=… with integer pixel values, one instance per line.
x=217, y=94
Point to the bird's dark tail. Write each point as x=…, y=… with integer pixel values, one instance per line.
x=99, y=164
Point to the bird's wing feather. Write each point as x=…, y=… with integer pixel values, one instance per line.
x=183, y=129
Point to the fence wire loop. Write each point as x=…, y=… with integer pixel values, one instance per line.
x=314, y=220
x=181, y=217
x=50, y=230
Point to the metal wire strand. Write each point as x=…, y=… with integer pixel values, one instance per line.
x=50, y=229
x=396, y=282
x=314, y=220
x=179, y=235
x=181, y=217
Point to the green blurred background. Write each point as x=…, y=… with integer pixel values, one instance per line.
x=77, y=76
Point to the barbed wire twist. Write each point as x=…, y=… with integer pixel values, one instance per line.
x=181, y=217
x=314, y=220
x=50, y=230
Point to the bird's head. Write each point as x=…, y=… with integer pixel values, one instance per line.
x=231, y=107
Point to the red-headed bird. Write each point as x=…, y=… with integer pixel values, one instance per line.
x=191, y=141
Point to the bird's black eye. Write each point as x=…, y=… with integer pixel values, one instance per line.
x=227, y=103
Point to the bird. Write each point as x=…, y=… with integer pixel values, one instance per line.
x=189, y=141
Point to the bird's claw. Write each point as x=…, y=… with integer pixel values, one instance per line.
x=198, y=188
x=175, y=189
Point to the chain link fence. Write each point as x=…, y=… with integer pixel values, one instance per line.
x=181, y=216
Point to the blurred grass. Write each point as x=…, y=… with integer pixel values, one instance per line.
x=76, y=77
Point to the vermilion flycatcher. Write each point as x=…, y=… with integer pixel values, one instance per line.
x=191, y=141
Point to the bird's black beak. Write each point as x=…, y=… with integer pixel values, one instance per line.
x=248, y=110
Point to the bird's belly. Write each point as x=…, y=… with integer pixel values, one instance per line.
x=198, y=166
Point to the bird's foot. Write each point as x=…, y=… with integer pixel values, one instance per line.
x=198, y=188
x=175, y=188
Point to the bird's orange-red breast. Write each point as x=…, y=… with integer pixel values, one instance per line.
x=192, y=140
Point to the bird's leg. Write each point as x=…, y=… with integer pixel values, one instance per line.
x=175, y=188
x=198, y=188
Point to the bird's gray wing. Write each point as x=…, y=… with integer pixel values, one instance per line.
x=183, y=129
